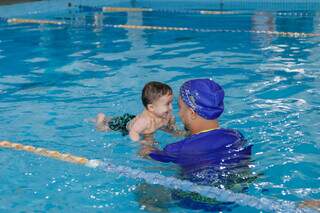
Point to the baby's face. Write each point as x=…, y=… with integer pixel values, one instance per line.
x=163, y=106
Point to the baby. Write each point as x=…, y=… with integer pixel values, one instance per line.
x=157, y=100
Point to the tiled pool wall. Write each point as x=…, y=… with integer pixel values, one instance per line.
x=58, y=5
x=235, y=4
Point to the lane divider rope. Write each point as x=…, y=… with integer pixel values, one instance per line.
x=219, y=194
x=203, y=12
x=145, y=27
x=285, y=34
x=45, y=152
x=134, y=9
x=35, y=21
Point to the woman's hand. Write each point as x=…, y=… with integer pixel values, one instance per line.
x=146, y=150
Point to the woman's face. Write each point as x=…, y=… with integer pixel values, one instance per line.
x=184, y=113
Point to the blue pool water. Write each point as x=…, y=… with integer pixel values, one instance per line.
x=54, y=78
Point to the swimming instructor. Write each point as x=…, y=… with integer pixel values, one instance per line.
x=211, y=155
x=209, y=145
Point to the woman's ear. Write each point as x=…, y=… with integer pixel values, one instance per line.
x=193, y=114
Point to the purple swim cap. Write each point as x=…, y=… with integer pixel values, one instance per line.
x=204, y=96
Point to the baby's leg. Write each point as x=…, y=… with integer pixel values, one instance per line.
x=102, y=122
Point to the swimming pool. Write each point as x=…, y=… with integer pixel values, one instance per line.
x=55, y=77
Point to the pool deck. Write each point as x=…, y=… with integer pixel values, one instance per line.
x=8, y=2
x=22, y=8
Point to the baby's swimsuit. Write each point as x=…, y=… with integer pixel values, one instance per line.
x=119, y=123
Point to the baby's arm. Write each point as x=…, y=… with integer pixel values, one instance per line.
x=138, y=126
x=173, y=129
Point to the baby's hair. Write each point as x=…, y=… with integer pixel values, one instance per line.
x=153, y=90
